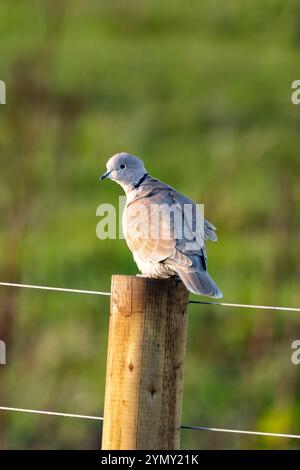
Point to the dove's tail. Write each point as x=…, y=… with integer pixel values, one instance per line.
x=200, y=282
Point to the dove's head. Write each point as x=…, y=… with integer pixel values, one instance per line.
x=125, y=169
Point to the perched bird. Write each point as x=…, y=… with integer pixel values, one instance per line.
x=159, y=227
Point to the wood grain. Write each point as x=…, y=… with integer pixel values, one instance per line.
x=145, y=364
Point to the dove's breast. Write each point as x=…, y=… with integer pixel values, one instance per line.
x=142, y=234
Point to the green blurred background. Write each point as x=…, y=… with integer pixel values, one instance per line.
x=201, y=92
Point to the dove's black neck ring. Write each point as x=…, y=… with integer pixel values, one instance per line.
x=137, y=185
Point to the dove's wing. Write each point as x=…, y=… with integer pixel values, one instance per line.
x=210, y=231
x=192, y=247
x=164, y=224
x=159, y=227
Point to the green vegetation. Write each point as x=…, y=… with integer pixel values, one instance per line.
x=201, y=92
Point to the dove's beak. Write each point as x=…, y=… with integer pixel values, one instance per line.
x=104, y=176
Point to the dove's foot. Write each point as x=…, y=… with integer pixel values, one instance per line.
x=155, y=276
x=147, y=275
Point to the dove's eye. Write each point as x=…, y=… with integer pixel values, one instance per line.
x=122, y=166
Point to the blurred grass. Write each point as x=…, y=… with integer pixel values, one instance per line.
x=201, y=91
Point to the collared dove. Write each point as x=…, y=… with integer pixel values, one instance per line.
x=158, y=248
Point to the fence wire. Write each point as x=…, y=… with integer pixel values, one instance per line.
x=187, y=427
x=199, y=302
x=58, y=289
x=262, y=307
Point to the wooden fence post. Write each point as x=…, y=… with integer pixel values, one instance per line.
x=145, y=361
